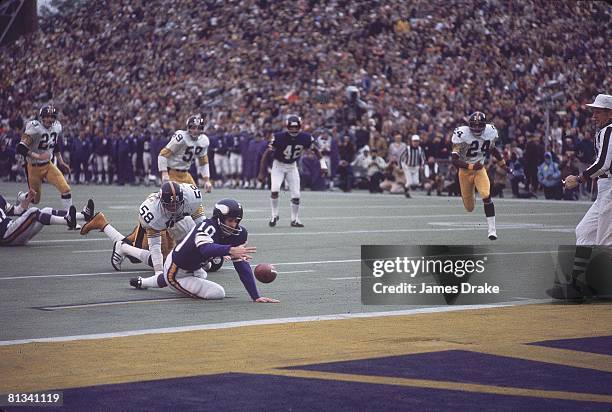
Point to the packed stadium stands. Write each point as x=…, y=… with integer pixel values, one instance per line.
x=134, y=70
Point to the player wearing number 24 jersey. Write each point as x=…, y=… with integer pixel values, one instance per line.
x=39, y=145
x=471, y=145
x=286, y=148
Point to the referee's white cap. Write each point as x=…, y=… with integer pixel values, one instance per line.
x=602, y=101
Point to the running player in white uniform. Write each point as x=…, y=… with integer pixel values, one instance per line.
x=185, y=147
x=471, y=145
x=38, y=145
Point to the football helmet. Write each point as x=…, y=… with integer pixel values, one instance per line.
x=477, y=123
x=172, y=200
x=293, y=124
x=195, y=122
x=228, y=208
x=46, y=112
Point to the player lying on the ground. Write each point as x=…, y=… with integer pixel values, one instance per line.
x=165, y=217
x=471, y=144
x=286, y=148
x=218, y=236
x=28, y=221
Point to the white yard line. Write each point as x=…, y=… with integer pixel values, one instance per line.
x=277, y=321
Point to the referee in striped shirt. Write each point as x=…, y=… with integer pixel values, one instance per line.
x=595, y=228
x=412, y=161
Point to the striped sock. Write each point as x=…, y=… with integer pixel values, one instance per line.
x=582, y=258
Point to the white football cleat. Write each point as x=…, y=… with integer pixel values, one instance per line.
x=117, y=257
x=492, y=234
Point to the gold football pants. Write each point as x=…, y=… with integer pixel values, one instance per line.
x=470, y=180
x=48, y=171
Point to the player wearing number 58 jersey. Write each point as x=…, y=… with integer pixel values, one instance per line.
x=184, y=148
x=222, y=235
x=39, y=144
x=471, y=145
x=286, y=148
x=165, y=217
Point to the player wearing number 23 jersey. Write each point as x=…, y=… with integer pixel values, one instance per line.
x=471, y=145
x=286, y=148
x=39, y=145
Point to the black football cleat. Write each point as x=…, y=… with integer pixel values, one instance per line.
x=273, y=221
x=295, y=223
x=136, y=283
x=71, y=219
x=568, y=292
x=89, y=210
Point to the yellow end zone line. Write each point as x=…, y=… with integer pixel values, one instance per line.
x=80, y=361
x=430, y=384
x=276, y=321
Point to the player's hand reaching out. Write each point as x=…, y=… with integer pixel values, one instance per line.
x=207, y=186
x=242, y=252
x=267, y=300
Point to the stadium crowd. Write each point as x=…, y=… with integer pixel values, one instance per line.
x=126, y=74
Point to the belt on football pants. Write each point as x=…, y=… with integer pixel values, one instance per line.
x=40, y=164
x=177, y=170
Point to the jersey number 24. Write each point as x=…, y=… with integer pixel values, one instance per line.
x=473, y=150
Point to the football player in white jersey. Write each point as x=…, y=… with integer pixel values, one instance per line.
x=183, y=148
x=39, y=145
x=165, y=218
x=471, y=145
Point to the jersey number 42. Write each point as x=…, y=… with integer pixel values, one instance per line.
x=293, y=152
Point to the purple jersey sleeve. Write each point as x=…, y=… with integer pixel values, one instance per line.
x=247, y=278
x=211, y=250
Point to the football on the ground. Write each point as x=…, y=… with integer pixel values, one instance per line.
x=265, y=273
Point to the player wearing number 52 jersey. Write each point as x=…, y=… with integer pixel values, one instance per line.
x=165, y=217
x=184, y=147
x=287, y=147
x=471, y=145
x=39, y=144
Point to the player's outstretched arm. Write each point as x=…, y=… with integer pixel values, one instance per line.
x=248, y=280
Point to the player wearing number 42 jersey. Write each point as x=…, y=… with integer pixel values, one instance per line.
x=184, y=147
x=165, y=217
x=471, y=145
x=38, y=146
x=287, y=147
